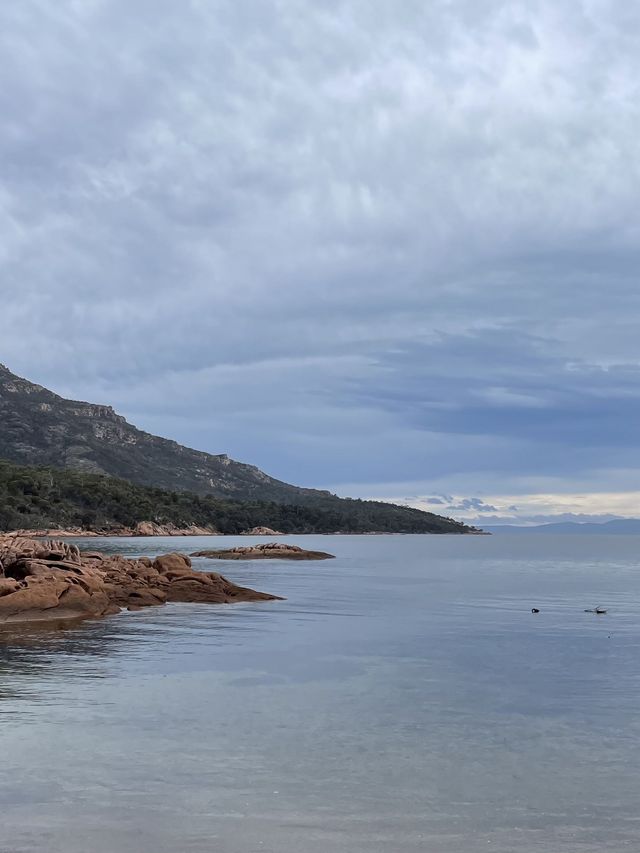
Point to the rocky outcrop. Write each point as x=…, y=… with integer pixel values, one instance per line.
x=52, y=580
x=149, y=528
x=53, y=533
x=143, y=528
x=262, y=531
x=269, y=551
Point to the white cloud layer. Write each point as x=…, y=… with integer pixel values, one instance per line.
x=529, y=509
x=356, y=243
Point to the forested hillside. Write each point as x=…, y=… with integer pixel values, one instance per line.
x=34, y=498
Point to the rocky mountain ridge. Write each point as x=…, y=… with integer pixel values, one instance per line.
x=38, y=427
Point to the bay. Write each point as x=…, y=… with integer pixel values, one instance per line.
x=402, y=698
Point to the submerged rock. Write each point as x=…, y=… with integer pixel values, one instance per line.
x=268, y=551
x=41, y=581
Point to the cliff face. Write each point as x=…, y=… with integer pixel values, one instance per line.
x=37, y=427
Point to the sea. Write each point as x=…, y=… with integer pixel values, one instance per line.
x=403, y=697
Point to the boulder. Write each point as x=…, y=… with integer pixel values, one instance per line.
x=261, y=531
x=16, y=548
x=172, y=562
x=148, y=528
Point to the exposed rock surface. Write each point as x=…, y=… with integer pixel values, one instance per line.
x=52, y=533
x=143, y=528
x=52, y=580
x=262, y=531
x=269, y=551
x=150, y=528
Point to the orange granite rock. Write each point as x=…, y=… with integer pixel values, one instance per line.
x=51, y=580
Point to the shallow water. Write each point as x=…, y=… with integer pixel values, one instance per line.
x=403, y=698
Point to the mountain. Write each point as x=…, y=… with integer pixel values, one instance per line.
x=616, y=527
x=39, y=428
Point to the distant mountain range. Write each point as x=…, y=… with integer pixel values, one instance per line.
x=616, y=527
x=41, y=429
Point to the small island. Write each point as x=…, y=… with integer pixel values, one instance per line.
x=268, y=551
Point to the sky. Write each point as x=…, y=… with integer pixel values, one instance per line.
x=387, y=248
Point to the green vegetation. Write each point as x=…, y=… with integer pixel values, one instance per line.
x=33, y=498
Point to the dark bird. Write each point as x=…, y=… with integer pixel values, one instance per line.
x=535, y=610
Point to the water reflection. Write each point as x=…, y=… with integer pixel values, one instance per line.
x=30, y=656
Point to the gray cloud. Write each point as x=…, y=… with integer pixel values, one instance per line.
x=355, y=243
x=476, y=504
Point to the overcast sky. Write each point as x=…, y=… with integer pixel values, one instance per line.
x=387, y=247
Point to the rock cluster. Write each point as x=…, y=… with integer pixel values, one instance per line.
x=262, y=531
x=53, y=533
x=53, y=580
x=143, y=528
x=150, y=528
x=269, y=551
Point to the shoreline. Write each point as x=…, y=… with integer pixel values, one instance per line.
x=167, y=531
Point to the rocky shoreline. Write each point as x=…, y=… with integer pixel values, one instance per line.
x=55, y=581
x=151, y=528
x=143, y=528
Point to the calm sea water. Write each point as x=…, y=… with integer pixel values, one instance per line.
x=403, y=698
